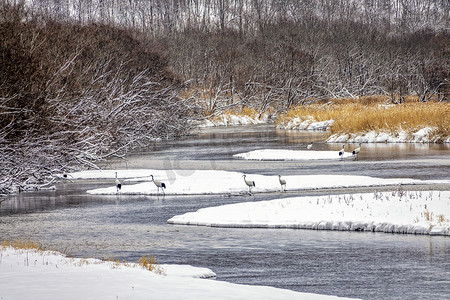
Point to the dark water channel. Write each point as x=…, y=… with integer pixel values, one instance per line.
x=353, y=264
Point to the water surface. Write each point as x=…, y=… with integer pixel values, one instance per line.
x=353, y=264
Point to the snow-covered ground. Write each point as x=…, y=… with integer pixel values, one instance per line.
x=394, y=212
x=282, y=154
x=424, y=135
x=33, y=274
x=234, y=120
x=203, y=182
x=306, y=124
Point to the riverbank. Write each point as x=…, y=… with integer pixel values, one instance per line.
x=349, y=121
x=36, y=274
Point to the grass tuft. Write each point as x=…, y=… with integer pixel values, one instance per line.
x=441, y=219
x=148, y=263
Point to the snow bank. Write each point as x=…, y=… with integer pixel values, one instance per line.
x=199, y=182
x=234, y=120
x=308, y=124
x=393, y=212
x=32, y=274
x=424, y=135
x=280, y=154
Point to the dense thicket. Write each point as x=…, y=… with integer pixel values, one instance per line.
x=72, y=94
x=162, y=16
x=279, y=53
x=291, y=63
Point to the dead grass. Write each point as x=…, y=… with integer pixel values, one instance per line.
x=428, y=215
x=23, y=244
x=355, y=117
x=244, y=111
x=149, y=263
x=441, y=219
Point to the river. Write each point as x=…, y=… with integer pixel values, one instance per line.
x=353, y=264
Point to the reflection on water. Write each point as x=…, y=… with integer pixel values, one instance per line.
x=223, y=142
x=364, y=265
x=214, y=149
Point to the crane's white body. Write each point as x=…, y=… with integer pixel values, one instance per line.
x=309, y=147
x=341, y=152
x=282, y=183
x=356, y=151
x=159, y=184
x=249, y=183
x=118, y=184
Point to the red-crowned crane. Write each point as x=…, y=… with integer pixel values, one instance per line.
x=342, y=151
x=118, y=184
x=249, y=183
x=159, y=184
x=282, y=183
x=309, y=147
x=356, y=151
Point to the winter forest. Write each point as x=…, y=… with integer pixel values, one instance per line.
x=83, y=80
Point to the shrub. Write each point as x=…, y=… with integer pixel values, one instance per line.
x=73, y=94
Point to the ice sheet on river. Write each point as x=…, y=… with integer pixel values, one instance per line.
x=198, y=182
x=399, y=211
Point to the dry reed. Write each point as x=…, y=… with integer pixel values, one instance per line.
x=355, y=117
x=23, y=244
x=148, y=263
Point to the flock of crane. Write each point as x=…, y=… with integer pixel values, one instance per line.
x=159, y=184
x=355, y=152
x=250, y=183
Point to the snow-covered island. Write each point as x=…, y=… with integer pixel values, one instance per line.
x=414, y=212
x=36, y=274
x=282, y=154
x=186, y=182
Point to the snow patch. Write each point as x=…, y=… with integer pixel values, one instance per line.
x=203, y=182
x=33, y=274
x=280, y=154
x=414, y=212
x=306, y=124
x=424, y=135
x=235, y=120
